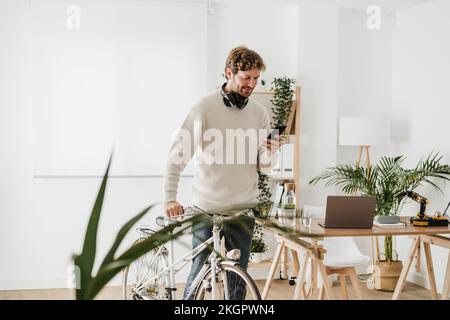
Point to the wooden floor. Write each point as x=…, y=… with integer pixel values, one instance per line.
x=280, y=290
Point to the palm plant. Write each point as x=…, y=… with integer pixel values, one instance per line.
x=386, y=180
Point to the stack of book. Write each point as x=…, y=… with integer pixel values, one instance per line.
x=388, y=225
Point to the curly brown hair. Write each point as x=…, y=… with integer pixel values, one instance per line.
x=244, y=59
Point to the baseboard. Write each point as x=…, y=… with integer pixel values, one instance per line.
x=61, y=282
x=30, y=283
x=36, y=283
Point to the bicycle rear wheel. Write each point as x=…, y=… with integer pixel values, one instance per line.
x=135, y=281
x=233, y=283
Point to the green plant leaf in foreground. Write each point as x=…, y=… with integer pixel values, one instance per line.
x=121, y=235
x=89, y=284
x=85, y=261
x=113, y=267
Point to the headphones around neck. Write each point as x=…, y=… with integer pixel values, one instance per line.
x=234, y=99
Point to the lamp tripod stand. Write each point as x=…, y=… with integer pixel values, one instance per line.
x=360, y=152
x=365, y=149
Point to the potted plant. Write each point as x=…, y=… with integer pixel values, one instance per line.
x=258, y=247
x=386, y=180
x=282, y=100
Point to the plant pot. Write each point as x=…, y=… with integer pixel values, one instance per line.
x=256, y=257
x=386, y=274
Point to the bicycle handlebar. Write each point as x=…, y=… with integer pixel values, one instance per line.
x=163, y=221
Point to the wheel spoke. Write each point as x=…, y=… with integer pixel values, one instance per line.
x=136, y=284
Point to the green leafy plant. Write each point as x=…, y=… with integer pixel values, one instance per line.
x=281, y=108
x=264, y=195
x=385, y=180
x=282, y=99
x=89, y=284
x=258, y=244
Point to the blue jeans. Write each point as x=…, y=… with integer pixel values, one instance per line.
x=238, y=235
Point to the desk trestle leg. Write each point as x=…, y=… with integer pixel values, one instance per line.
x=405, y=270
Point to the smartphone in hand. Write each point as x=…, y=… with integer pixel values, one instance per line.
x=278, y=130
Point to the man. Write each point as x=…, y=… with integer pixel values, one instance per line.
x=221, y=182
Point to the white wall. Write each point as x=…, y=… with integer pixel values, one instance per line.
x=364, y=82
x=270, y=30
x=364, y=72
x=420, y=102
x=318, y=76
x=343, y=69
x=110, y=77
x=43, y=220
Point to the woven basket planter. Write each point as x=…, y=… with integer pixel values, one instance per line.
x=386, y=274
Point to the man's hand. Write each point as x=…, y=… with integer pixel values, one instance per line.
x=173, y=208
x=272, y=145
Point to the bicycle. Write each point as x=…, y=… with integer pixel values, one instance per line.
x=154, y=273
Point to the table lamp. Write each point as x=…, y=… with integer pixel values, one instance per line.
x=363, y=132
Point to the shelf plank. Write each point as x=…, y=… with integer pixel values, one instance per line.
x=276, y=178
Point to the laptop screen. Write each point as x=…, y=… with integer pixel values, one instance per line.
x=350, y=212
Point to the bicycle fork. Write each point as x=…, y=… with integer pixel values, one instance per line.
x=214, y=263
x=170, y=276
x=216, y=236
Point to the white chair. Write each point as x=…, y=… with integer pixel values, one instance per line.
x=341, y=258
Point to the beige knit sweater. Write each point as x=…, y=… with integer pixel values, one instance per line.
x=225, y=170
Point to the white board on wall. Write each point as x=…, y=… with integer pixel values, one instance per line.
x=125, y=79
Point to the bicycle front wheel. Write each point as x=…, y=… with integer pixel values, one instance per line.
x=232, y=283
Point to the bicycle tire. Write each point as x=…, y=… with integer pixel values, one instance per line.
x=202, y=289
x=153, y=291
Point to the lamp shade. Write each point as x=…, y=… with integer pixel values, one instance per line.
x=363, y=131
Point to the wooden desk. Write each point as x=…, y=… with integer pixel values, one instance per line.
x=296, y=241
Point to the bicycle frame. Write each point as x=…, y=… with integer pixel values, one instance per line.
x=169, y=270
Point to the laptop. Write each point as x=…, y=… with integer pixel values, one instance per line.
x=349, y=212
